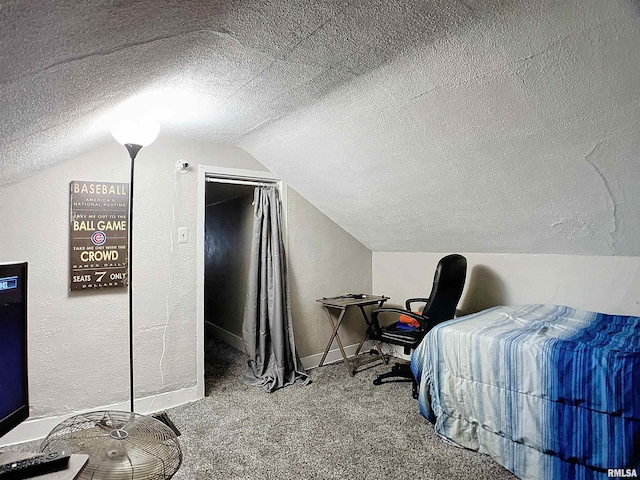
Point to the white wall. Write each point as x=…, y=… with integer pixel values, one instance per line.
x=78, y=342
x=603, y=284
x=324, y=261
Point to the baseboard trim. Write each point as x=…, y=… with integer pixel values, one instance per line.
x=163, y=401
x=311, y=361
x=39, y=428
x=227, y=337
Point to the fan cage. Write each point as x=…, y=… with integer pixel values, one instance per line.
x=120, y=445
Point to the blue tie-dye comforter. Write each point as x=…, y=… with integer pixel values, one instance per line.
x=548, y=391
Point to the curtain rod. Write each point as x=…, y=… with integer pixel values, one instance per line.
x=242, y=182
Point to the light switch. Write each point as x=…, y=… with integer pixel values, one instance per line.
x=183, y=235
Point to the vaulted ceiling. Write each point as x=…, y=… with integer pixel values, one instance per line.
x=433, y=125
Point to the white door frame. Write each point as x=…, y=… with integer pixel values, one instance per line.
x=227, y=175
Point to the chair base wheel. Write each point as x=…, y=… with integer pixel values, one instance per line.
x=399, y=373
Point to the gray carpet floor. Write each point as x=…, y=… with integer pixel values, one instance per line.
x=337, y=427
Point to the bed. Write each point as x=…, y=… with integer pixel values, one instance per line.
x=548, y=391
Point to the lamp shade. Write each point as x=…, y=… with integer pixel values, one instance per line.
x=137, y=132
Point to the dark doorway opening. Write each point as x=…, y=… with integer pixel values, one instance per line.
x=227, y=246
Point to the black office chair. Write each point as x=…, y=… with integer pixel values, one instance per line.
x=448, y=283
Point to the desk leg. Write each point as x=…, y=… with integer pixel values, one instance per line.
x=366, y=335
x=336, y=326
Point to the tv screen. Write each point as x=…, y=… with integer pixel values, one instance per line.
x=14, y=387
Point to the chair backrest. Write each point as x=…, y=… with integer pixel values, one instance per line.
x=448, y=283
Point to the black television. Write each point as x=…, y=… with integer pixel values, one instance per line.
x=14, y=383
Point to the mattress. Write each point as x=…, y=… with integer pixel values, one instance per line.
x=548, y=391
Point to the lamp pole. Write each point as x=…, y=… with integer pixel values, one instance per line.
x=133, y=134
x=133, y=150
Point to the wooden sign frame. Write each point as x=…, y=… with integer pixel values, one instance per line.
x=99, y=235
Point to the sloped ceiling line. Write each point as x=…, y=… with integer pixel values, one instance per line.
x=416, y=125
x=512, y=66
x=317, y=29
x=519, y=144
x=106, y=52
x=262, y=123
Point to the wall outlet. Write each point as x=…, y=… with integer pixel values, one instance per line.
x=183, y=234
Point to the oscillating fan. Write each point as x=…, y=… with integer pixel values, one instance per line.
x=120, y=445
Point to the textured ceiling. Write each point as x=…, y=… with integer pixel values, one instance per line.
x=451, y=125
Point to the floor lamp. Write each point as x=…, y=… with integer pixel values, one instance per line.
x=133, y=134
x=123, y=444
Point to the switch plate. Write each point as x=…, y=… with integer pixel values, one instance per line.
x=183, y=235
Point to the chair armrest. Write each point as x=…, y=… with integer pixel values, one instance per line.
x=398, y=311
x=414, y=300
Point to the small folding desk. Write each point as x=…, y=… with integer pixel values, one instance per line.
x=340, y=305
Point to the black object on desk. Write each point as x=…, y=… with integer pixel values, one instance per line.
x=340, y=304
x=346, y=295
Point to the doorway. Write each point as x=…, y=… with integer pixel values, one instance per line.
x=225, y=222
x=227, y=239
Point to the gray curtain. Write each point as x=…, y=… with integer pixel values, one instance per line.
x=267, y=331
